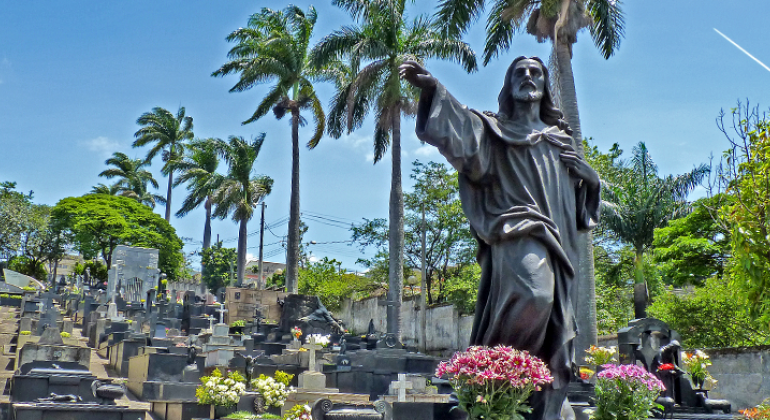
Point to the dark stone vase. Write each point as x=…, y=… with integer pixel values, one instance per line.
x=221, y=411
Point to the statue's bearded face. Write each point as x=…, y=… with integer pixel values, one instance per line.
x=528, y=81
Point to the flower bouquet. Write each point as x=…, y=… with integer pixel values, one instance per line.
x=320, y=339
x=274, y=392
x=599, y=356
x=299, y=412
x=296, y=332
x=696, y=364
x=494, y=383
x=625, y=392
x=219, y=390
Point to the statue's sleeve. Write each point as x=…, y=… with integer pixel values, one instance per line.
x=457, y=132
x=588, y=205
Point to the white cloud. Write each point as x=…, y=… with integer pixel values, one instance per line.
x=313, y=259
x=101, y=145
x=427, y=151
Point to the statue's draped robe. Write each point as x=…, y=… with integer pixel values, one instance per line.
x=525, y=210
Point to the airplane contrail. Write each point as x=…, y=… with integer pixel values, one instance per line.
x=744, y=51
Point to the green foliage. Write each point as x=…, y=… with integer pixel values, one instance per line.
x=715, y=315
x=218, y=261
x=695, y=247
x=450, y=247
x=283, y=377
x=25, y=332
x=238, y=323
x=614, y=308
x=637, y=201
x=325, y=279
x=97, y=269
x=4, y=295
x=15, y=215
x=462, y=290
x=28, y=267
x=746, y=176
x=98, y=223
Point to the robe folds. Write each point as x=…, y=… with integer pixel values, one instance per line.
x=525, y=210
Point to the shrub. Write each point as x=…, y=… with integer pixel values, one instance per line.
x=65, y=334
x=25, y=332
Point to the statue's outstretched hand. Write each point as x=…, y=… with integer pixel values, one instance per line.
x=416, y=75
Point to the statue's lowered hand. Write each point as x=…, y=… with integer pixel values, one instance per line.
x=416, y=75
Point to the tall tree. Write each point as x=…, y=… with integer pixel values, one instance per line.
x=167, y=133
x=642, y=202
x=274, y=47
x=558, y=21
x=132, y=180
x=745, y=175
x=199, y=170
x=383, y=40
x=240, y=192
x=98, y=223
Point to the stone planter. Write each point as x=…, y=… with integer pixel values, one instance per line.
x=220, y=411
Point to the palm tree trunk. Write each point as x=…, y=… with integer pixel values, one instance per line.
x=640, y=287
x=206, y=233
x=207, y=225
x=292, y=251
x=242, y=237
x=168, y=195
x=395, y=234
x=584, y=288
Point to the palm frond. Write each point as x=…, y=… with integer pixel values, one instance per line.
x=608, y=25
x=500, y=32
x=455, y=16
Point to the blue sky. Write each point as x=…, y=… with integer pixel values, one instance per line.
x=75, y=76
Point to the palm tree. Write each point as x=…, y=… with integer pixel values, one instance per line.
x=558, y=21
x=169, y=133
x=240, y=192
x=132, y=180
x=100, y=188
x=641, y=202
x=383, y=41
x=274, y=47
x=199, y=170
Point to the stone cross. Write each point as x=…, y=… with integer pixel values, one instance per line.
x=211, y=324
x=312, y=347
x=221, y=311
x=401, y=386
x=40, y=307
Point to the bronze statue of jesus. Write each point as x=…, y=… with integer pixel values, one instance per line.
x=526, y=193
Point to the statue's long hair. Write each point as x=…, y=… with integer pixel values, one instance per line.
x=549, y=113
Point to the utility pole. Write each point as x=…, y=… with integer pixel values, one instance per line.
x=423, y=285
x=261, y=242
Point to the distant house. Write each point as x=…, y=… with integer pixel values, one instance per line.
x=252, y=272
x=67, y=265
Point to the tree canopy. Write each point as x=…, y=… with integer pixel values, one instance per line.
x=99, y=222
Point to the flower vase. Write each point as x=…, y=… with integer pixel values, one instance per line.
x=260, y=407
x=222, y=411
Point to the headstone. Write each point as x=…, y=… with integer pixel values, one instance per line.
x=222, y=311
x=401, y=386
x=51, y=337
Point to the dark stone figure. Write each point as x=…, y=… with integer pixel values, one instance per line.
x=526, y=192
x=665, y=365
